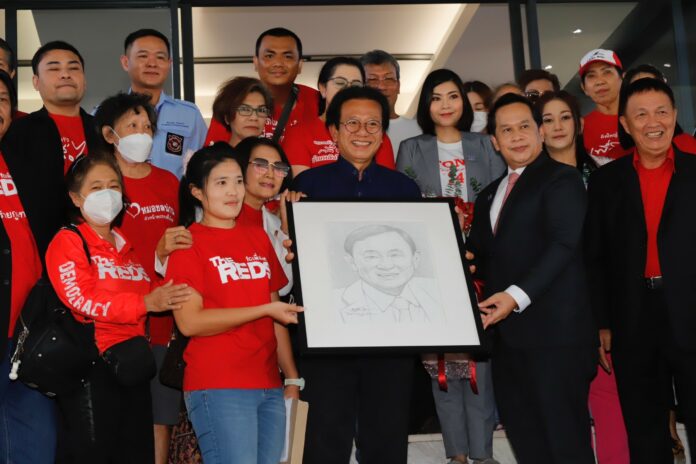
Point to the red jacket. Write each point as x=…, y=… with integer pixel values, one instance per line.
x=108, y=291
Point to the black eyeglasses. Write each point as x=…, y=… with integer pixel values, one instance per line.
x=342, y=82
x=371, y=127
x=387, y=81
x=246, y=110
x=262, y=166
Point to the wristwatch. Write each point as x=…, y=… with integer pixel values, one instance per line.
x=299, y=382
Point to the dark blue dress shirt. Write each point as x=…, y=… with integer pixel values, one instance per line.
x=340, y=181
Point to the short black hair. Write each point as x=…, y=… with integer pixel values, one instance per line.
x=50, y=46
x=641, y=86
x=12, y=61
x=365, y=232
x=246, y=148
x=328, y=69
x=530, y=75
x=435, y=78
x=114, y=107
x=7, y=80
x=378, y=57
x=140, y=33
x=643, y=69
x=510, y=99
x=333, y=113
x=279, y=32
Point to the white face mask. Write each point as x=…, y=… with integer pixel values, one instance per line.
x=134, y=148
x=103, y=206
x=480, y=121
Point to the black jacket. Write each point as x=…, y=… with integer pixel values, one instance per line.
x=34, y=154
x=616, y=248
x=538, y=247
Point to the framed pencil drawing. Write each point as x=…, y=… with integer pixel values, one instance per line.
x=378, y=276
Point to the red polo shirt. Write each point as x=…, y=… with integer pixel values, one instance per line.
x=653, y=190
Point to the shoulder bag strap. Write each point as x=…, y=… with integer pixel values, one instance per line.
x=278, y=133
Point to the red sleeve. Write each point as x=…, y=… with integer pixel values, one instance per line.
x=75, y=283
x=385, y=154
x=184, y=267
x=278, y=277
x=295, y=146
x=217, y=132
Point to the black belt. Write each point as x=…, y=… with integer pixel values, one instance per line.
x=654, y=283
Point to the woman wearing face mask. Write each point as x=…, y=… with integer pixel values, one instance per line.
x=106, y=420
x=238, y=341
x=127, y=123
x=449, y=161
x=563, y=125
x=478, y=94
x=27, y=417
x=309, y=144
x=267, y=172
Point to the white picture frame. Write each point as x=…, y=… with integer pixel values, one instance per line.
x=382, y=276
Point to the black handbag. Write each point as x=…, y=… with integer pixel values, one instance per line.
x=53, y=351
x=131, y=361
x=172, y=370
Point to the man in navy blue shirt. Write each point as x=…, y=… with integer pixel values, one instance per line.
x=365, y=398
x=357, y=123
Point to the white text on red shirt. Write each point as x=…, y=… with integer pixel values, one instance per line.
x=256, y=267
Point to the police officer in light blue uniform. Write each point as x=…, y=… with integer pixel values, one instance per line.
x=180, y=126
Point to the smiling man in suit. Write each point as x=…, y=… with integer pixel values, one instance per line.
x=640, y=254
x=526, y=238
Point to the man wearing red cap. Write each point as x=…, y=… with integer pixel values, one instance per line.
x=600, y=75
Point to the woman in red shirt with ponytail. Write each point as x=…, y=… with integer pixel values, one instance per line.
x=235, y=321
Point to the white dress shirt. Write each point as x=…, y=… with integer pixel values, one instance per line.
x=517, y=294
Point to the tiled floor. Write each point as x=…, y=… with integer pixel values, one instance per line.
x=428, y=449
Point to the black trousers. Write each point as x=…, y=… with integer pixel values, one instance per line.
x=107, y=423
x=366, y=398
x=644, y=376
x=542, y=399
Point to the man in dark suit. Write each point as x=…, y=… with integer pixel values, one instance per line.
x=641, y=253
x=527, y=246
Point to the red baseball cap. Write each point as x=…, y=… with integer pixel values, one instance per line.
x=599, y=55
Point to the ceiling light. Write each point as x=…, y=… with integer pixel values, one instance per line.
x=667, y=65
x=548, y=66
x=577, y=31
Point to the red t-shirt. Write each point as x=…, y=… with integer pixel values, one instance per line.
x=250, y=217
x=26, y=264
x=108, y=291
x=306, y=107
x=230, y=268
x=601, y=135
x=653, y=190
x=685, y=142
x=72, y=136
x=310, y=144
x=153, y=209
